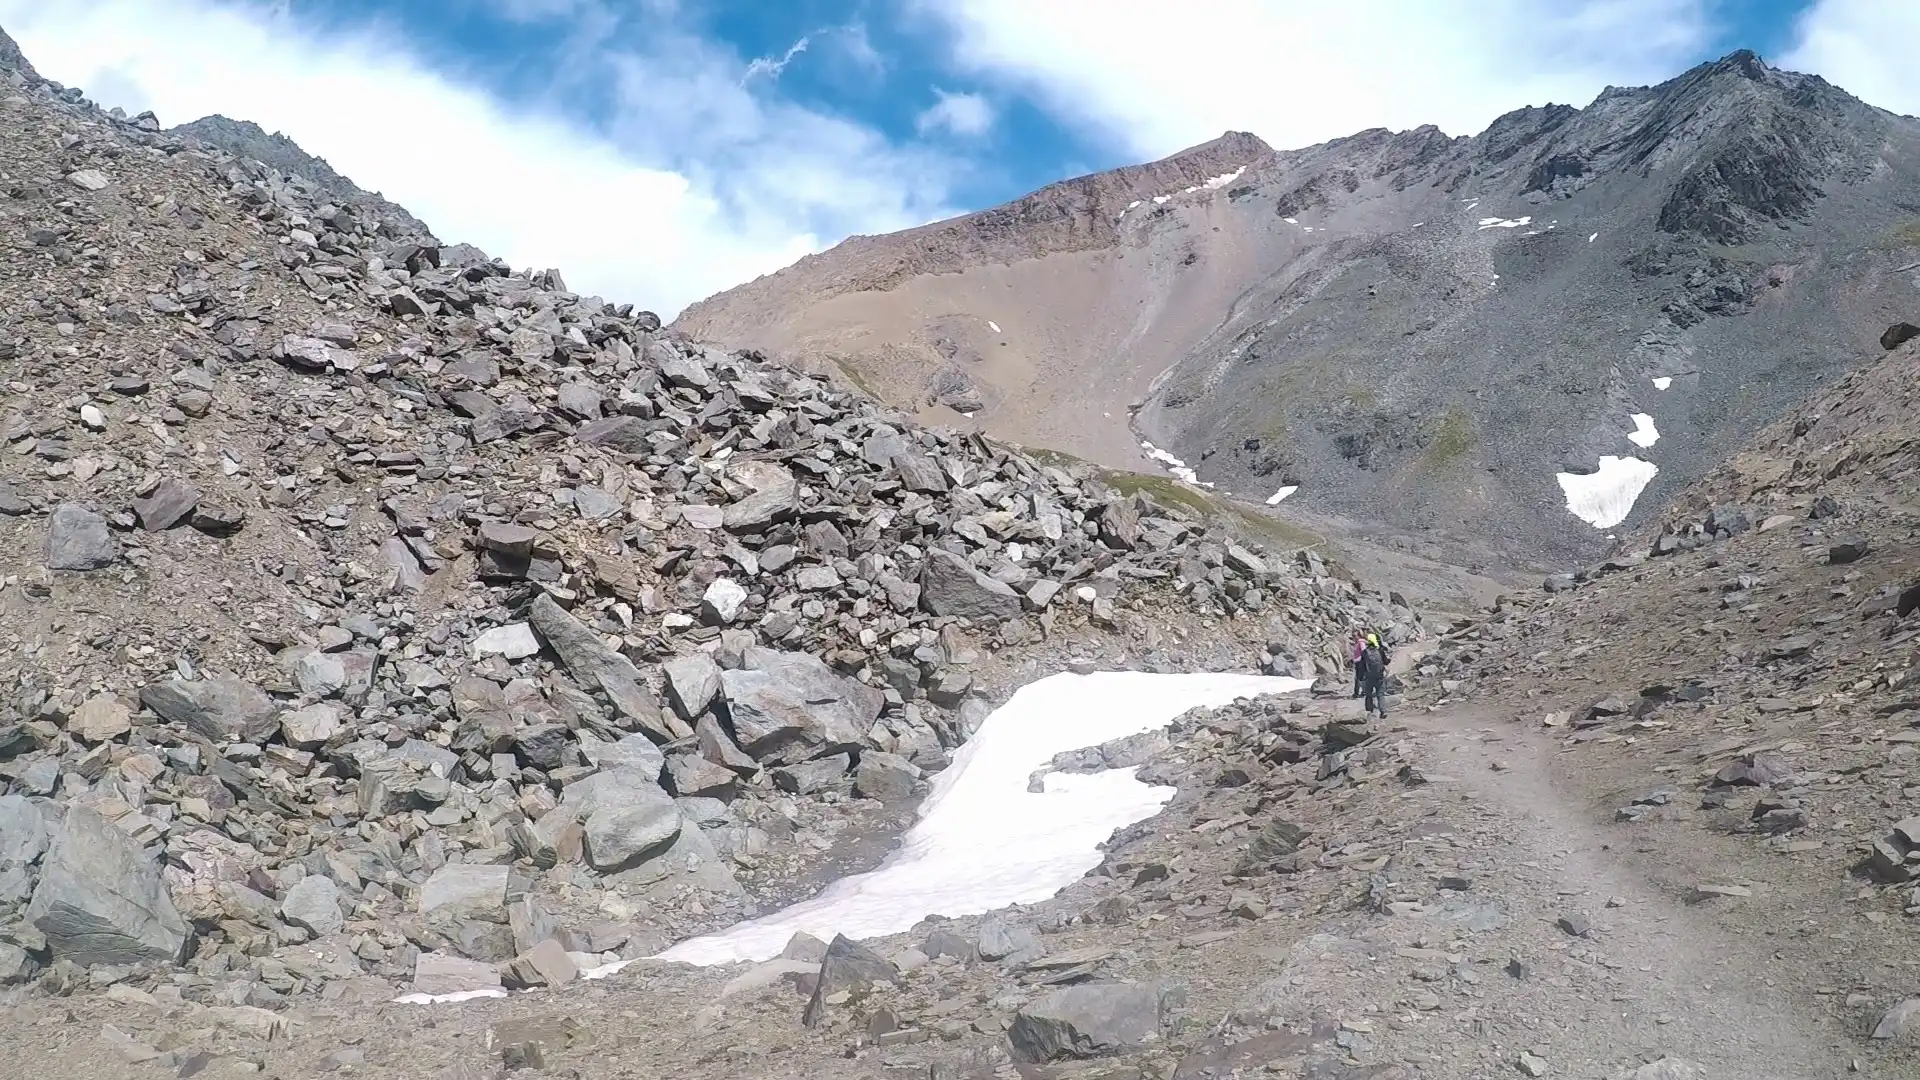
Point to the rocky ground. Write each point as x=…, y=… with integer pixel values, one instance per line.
x=377, y=618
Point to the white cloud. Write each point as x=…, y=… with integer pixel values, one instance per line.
x=771, y=68
x=1154, y=80
x=1851, y=44
x=961, y=114
x=692, y=184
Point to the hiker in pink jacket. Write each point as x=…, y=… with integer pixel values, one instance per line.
x=1354, y=654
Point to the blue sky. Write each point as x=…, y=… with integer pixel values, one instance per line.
x=661, y=150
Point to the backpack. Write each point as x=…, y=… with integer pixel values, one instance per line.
x=1373, y=662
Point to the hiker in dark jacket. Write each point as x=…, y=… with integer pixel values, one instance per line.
x=1373, y=675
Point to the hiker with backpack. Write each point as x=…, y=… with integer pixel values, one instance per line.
x=1372, y=670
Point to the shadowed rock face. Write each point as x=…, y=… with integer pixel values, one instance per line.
x=1416, y=330
x=10, y=57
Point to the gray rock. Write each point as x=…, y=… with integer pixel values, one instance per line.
x=78, y=539
x=775, y=497
x=595, y=665
x=634, y=752
x=692, y=682
x=220, y=710
x=23, y=833
x=629, y=818
x=101, y=900
x=580, y=400
x=506, y=538
x=1901, y=1022
x=1669, y=1068
x=1001, y=941
x=809, y=777
x=949, y=585
x=167, y=506
x=440, y=973
x=889, y=778
x=723, y=602
x=515, y=641
x=919, y=473
x=695, y=776
x=311, y=727
x=625, y=434
x=850, y=969
x=101, y=718
x=464, y=889
x=314, y=903
x=1086, y=1021
x=16, y=965
x=806, y=948
x=790, y=707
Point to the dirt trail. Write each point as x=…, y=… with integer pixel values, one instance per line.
x=1654, y=973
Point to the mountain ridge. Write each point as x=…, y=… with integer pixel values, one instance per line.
x=1350, y=321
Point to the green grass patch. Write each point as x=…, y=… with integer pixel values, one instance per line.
x=1908, y=235
x=1455, y=439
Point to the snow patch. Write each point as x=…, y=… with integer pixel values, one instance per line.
x=1280, y=496
x=1662, y=382
x=1417, y=224
x=983, y=840
x=1605, y=497
x=1292, y=221
x=1174, y=465
x=1644, y=433
x=1592, y=238
x=1505, y=223
x=449, y=999
x=993, y=326
x=1158, y=199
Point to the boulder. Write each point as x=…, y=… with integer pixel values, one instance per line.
x=775, y=496
x=850, y=969
x=314, y=904
x=1086, y=1021
x=1898, y=334
x=220, y=710
x=692, y=682
x=464, y=888
x=101, y=899
x=888, y=778
x=167, y=505
x=949, y=585
x=790, y=707
x=78, y=539
x=101, y=718
x=629, y=818
x=596, y=666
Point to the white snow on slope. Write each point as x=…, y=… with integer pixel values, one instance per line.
x=1604, y=498
x=1218, y=182
x=1174, y=465
x=1592, y=238
x=1278, y=497
x=1292, y=221
x=993, y=326
x=449, y=999
x=983, y=840
x=1662, y=382
x=1644, y=433
x=1504, y=223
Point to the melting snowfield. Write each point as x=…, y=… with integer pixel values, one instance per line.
x=983, y=840
x=1174, y=465
x=1280, y=496
x=1605, y=497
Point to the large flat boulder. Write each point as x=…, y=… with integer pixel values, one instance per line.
x=220, y=710
x=1086, y=1021
x=101, y=899
x=596, y=666
x=949, y=585
x=790, y=707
